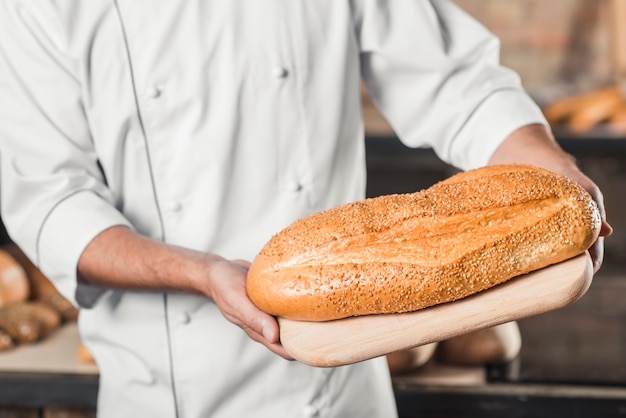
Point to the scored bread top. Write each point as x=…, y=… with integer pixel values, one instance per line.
x=400, y=253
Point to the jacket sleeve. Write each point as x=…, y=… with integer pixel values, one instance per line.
x=54, y=198
x=434, y=73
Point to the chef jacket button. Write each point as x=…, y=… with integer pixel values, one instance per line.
x=294, y=186
x=280, y=72
x=174, y=206
x=184, y=318
x=153, y=92
x=310, y=411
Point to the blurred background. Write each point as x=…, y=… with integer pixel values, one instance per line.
x=559, y=47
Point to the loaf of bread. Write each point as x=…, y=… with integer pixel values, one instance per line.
x=494, y=345
x=6, y=342
x=14, y=285
x=27, y=322
x=410, y=359
x=562, y=109
x=401, y=253
x=617, y=120
x=41, y=288
x=605, y=107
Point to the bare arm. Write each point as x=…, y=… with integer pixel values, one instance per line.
x=534, y=144
x=120, y=258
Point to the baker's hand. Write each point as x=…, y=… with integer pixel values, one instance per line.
x=228, y=291
x=120, y=258
x=534, y=144
x=597, y=249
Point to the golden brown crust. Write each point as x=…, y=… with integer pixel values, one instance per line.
x=401, y=253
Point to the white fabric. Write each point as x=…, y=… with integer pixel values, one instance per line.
x=212, y=125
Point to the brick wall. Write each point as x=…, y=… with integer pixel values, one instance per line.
x=557, y=46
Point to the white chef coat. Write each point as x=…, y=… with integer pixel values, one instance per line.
x=212, y=124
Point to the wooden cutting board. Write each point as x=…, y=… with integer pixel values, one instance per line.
x=350, y=340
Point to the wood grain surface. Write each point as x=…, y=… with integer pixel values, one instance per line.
x=350, y=340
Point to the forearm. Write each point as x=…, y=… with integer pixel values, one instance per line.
x=535, y=145
x=122, y=259
x=119, y=258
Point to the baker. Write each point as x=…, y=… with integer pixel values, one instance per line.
x=150, y=149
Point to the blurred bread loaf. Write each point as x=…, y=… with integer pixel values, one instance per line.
x=583, y=112
x=31, y=308
x=14, y=285
x=41, y=288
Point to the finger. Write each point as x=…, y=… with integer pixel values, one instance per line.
x=243, y=263
x=606, y=229
x=597, y=254
x=259, y=326
x=276, y=347
x=229, y=294
x=265, y=331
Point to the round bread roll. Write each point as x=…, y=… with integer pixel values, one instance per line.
x=495, y=345
x=14, y=285
x=400, y=253
x=411, y=359
x=40, y=286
